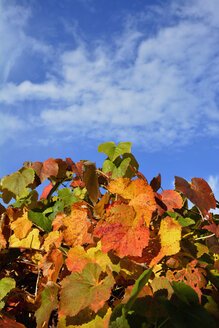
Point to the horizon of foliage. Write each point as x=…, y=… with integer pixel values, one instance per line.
x=105, y=248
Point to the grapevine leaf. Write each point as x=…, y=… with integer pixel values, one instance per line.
x=139, y=284
x=91, y=181
x=171, y=199
x=77, y=257
x=40, y=219
x=48, y=304
x=46, y=191
x=185, y=222
x=21, y=225
x=213, y=228
x=31, y=240
x=76, y=225
x=53, y=238
x=85, y=289
x=156, y=183
x=113, y=151
x=99, y=208
x=6, y=284
x=50, y=168
x=170, y=236
x=51, y=263
x=140, y=194
x=198, y=192
x=67, y=196
x=16, y=182
x=3, y=242
x=118, y=233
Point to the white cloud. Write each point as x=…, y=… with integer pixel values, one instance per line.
x=14, y=38
x=156, y=91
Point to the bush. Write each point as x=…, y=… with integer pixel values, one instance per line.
x=104, y=248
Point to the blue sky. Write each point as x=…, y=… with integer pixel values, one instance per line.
x=74, y=74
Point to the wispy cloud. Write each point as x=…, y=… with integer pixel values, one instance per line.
x=156, y=90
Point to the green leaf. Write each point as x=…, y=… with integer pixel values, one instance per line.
x=40, y=219
x=185, y=293
x=185, y=222
x=120, y=322
x=16, y=182
x=48, y=304
x=139, y=284
x=113, y=151
x=189, y=316
x=120, y=171
x=6, y=284
x=86, y=289
x=109, y=166
x=67, y=196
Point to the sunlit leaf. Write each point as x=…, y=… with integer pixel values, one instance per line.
x=53, y=238
x=52, y=263
x=16, y=182
x=46, y=191
x=21, y=225
x=77, y=257
x=31, y=240
x=139, y=193
x=118, y=233
x=6, y=284
x=113, y=151
x=170, y=236
x=99, y=208
x=76, y=225
x=85, y=289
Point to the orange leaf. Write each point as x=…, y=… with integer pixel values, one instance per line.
x=51, y=263
x=140, y=194
x=118, y=233
x=171, y=199
x=99, y=208
x=198, y=192
x=53, y=238
x=76, y=225
x=21, y=225
x=3, y=242
x=192, y=275
x=76, y=259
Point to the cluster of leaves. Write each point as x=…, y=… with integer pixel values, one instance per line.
x=105, y=248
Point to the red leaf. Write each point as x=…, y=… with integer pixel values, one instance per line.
x=213, y=228
x=46, y=191
x=171, y=199
x=50, y=168
x=198, y=192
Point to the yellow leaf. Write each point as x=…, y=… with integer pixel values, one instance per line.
x=21, y=225
x=31, y=241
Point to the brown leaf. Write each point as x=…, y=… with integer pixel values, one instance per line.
x=91, y=181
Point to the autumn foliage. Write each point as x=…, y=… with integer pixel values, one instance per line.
x=106, y=248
